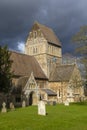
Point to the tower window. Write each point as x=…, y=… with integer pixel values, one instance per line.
x=35, y=50
x=35, y=34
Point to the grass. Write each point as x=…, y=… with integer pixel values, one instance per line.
x=60, y=117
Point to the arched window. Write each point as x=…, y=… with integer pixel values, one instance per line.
x=36, y=49
x=35, y=34
x=33, y=49
x=59, y=92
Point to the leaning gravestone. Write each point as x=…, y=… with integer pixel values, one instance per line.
x=41, y=108
x=4, y=110
x=23, y=103
x=12, y=106
x=66, y=103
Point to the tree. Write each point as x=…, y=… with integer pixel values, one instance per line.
x=5, y=70
x=81, y=47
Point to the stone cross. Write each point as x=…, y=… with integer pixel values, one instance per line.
x=4, y=110
x=41, y=108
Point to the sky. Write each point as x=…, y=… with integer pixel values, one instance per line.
x=65, y=17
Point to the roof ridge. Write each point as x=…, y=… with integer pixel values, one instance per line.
x=48, y=33
x=43, y=25
x=65, y=65
x=21, y=53
x=36, y=22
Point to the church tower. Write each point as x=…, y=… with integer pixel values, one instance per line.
x=43, y=44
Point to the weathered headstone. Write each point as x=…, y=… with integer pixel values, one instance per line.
x=41, y=108
x=23, y=103
x=66, y=103
x=4, y=110
x=12, y=106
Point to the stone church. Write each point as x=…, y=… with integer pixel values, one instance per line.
x=39, y=73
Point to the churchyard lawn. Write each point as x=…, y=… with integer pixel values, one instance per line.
x=59, y=117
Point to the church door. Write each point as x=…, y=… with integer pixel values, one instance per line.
x=33, y=98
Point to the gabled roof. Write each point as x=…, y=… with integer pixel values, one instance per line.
x=23, y=65
x=49, y=92
x=22, y=81
x=48, y=33
x=62, y=73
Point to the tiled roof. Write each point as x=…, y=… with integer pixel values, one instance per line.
x=48, y=33
x=49, y=92
x=22, y=81
x=61, y=73
x=23, y=65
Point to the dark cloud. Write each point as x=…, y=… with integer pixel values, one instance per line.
x=17, y=16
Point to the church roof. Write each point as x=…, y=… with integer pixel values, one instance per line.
x=22, y=81
x=48, y=33
x=61, y=73
x=24, y=65
x=49, y=92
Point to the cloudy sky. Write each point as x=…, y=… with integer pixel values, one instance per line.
x=65, y=17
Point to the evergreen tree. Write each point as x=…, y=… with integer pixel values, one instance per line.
x=5, y=70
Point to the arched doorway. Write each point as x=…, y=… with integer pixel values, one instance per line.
x=33, y=98
x=30, y=98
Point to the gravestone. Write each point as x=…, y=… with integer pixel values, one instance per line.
x=23, y=103
x=41, y=108
x=66, y=103
x=12, y=106
x=4, y=110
